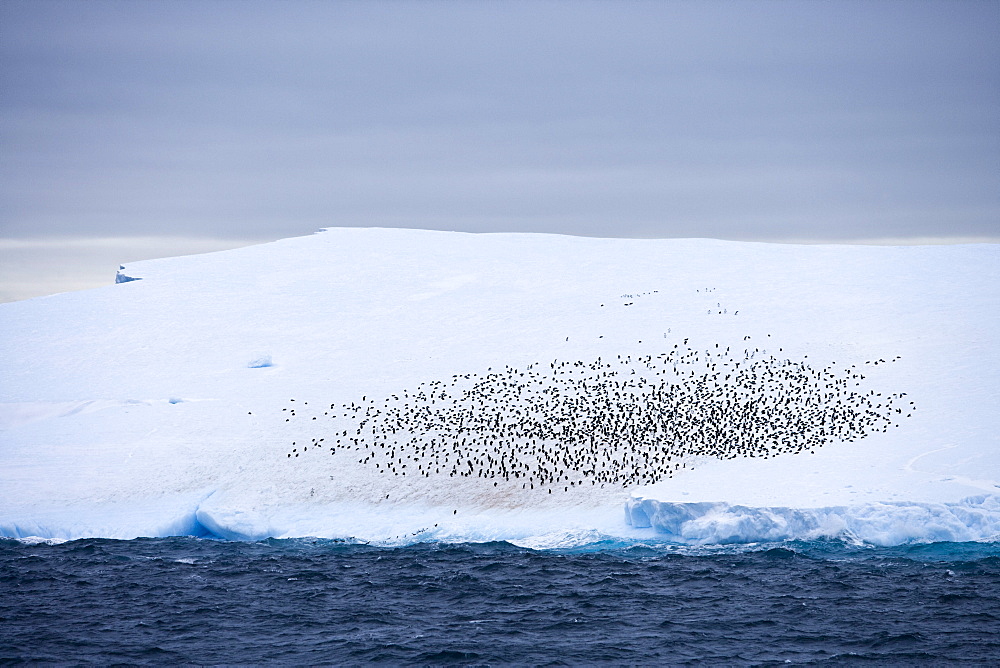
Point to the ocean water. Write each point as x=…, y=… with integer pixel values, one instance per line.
x=188, y=600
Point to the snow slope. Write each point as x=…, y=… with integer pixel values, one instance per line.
x=155, y=406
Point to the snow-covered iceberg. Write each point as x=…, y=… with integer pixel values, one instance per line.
x=400, y=385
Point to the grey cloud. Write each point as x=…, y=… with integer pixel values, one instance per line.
x=748, y=120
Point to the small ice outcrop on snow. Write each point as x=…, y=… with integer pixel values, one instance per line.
x=260, y=362
x=123, y=278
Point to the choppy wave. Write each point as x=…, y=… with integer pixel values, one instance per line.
x=325, y=601
x=569, y=544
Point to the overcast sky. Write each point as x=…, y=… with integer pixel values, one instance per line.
x=140, y=129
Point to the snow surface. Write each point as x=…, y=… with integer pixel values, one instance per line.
x=154, y=407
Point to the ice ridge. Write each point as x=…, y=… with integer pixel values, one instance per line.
x=893, y=523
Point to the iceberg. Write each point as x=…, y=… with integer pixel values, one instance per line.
x=397, y=386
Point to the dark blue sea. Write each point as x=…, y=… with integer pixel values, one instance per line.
x=194, y=601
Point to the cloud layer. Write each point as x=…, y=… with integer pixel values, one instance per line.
x=259, y=120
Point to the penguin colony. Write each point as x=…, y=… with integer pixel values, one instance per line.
x=623, y=421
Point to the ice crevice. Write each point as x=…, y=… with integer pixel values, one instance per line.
x=229, y=523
